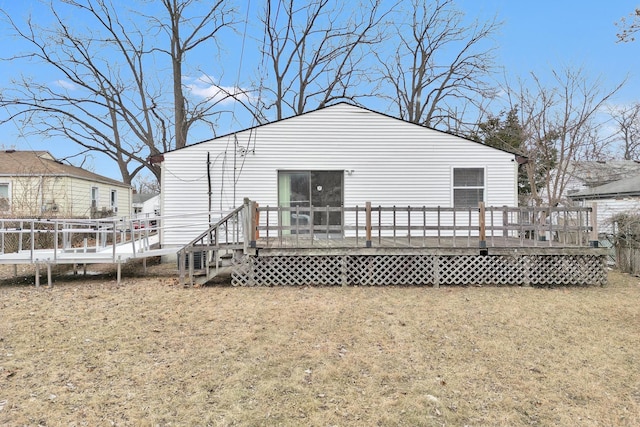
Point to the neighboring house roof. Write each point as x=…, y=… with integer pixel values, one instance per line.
x=42, y=163
x=622, y=188
x=139, y=198
x=597, y=173
x=520, y=158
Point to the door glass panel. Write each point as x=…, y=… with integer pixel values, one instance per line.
x=293, y=192
x=310, y=188
x=299, y=186
x=326, y=190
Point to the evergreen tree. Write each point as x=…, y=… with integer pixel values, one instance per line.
x=505, y=132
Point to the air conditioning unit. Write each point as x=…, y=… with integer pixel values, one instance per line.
x=49, y=206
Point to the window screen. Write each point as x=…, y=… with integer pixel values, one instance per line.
x=468, y=187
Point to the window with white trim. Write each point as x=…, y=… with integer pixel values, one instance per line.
x=95, y=197
x=5, y=196
x=114, y=200
x=468, y=187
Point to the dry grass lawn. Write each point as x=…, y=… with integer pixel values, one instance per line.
x=150, y=352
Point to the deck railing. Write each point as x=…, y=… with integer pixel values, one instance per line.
x=227, y=234
x=72, y=235
x=368, y=225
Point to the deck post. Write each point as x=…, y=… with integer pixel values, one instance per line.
x=436, y=271
x=249, y=223
x=409, y=225
x=327, y=213
x=526, y=260
x=368, y=224
x=550, y=219
x=119, y=273
x=188, y=259
x=55, y=240
x=181, y=265
x=33, y=239
x=505, y=222
x=37, y=275
x=20, y=237
x=256, y=222
x=594, y=225
x=251, y=280
x=49, y=282
x=343, y=271
x=483, y=229
x=114, y=240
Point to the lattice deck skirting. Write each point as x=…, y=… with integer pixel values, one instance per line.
x=431, y=270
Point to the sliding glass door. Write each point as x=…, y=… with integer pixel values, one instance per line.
x=302, y=189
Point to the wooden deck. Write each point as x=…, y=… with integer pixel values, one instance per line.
x=403, y=246
x=494, y=245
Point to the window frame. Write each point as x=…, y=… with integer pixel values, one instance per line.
x=482, y=187
x=95, y=201
x=8, y=208
x=113, y=200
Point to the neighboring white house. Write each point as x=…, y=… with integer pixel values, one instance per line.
x=612, y=199
x=34, y=184
x=342, y=155
x=583, y=175
x=146, y=205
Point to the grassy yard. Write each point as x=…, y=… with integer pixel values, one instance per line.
x=150, y=352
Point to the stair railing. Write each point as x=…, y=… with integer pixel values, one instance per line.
x=228, y=233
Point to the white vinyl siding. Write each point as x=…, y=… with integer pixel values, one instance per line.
x=63, y=196
x=385, y=161
x=606, y=209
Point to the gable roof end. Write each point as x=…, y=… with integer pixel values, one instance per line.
x=519, y=157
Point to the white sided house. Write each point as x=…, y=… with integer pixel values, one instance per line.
x=611, y=200
x=341, y=155
x=33, y=184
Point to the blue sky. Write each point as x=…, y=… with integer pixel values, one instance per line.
x=536, y=36
x=542, y=35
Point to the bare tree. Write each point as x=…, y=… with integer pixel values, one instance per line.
x=145, y=184
x=629, y=26
x=216, y=16
x=440, y=64
x=315, y=51
x=560, y=126
x=105, y=98
x=628, y=130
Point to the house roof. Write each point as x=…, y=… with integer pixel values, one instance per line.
x=598, y=173
x=623, y=187
x=142, y=197
x=520, y=157
x=42, y=163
